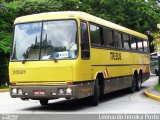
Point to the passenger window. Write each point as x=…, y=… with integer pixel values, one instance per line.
x=133, y=43
x=95, y=35
x=85, y=50
x=108, y=37
x=118, y=39
x=140, y=45
x=145, y=46
x=126, y=42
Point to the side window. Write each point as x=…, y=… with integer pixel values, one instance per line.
x=108, y=37
x=85, y=51
x=95, y=35
x=133, y=43
x=118, y=39
x=145, y=46
x=126, y=41
x=140, y=44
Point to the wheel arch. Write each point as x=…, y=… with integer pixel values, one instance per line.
x=98, y=73
x=135, y=72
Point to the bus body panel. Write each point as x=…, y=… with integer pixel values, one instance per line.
x=40, y=71
x=50, y=71
x=118, y=72
x=123, y=66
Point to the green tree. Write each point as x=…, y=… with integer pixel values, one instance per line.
x=2, y=7
x=36, y=6
x=6, y=23
x=156, y=39
x=134, y=14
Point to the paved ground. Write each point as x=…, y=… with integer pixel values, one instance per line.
x=117, y=102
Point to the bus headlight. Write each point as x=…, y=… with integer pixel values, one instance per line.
x=14, y=91
x=20, y=92
x=68, y=90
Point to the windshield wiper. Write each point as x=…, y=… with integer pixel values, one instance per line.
x=24, y=60
x=53, y=58
x=25, y=57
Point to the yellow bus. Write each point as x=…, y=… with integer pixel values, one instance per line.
x=74, y=55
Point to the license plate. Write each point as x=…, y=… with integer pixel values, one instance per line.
x=39, y=92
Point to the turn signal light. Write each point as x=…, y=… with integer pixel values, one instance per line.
x=13, y=83
x=69, y=82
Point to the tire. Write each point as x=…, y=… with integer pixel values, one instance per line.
x=43, y=102
x=138, y=82
x=94, y=100
x=133, y=87
x=156, y=72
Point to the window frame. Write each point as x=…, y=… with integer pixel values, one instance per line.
x=122, y=43
x=100, y=33
x=136, y=50
x=85, y=58
x=142, y=45
x=105, y=46
x=126, y=34
x=77, y=39
x=108, y=46
x=146, y=47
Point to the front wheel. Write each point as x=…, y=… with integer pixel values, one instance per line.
x=43, y=102
x=94, y=99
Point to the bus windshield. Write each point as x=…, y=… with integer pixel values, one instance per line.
x=45, y=40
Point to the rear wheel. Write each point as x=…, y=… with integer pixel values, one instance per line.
x=138, y=82
x=43, y=102
x=94, y=100
x=133, y=87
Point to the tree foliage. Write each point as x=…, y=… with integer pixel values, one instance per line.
x=134, y=14
x=6, y=28
x=2, y=7
x=34, y=7
x=156, y=39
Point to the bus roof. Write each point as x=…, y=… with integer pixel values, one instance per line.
x=75, y=14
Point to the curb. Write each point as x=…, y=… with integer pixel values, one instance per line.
x=4, y=90
x=150, y=95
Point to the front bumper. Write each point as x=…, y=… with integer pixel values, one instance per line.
x=52, y=92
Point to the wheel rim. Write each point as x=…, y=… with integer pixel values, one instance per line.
x=139, y=83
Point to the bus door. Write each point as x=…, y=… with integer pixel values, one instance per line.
x=85, y=52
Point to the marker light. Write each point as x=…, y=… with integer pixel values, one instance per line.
x=14, y=91
x=20, y=92
x=61, y=91
x=70, y=82
x=68, y=90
